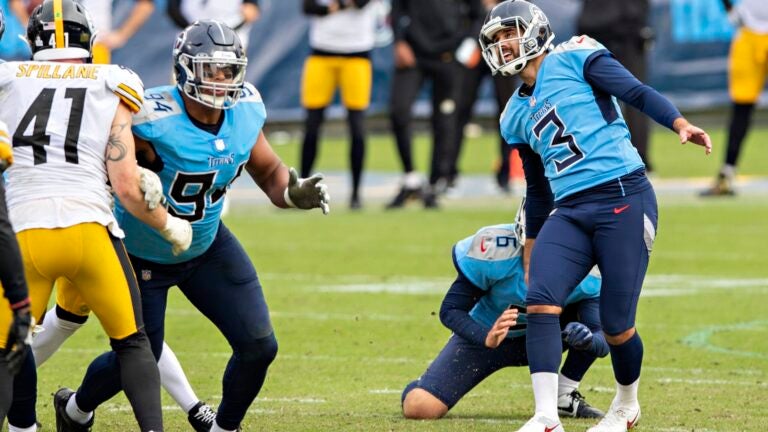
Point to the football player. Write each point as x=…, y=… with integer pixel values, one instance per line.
x=575, y=145
x=485, y=309
x=14, y=301
x=70, y=126
x=199, y=136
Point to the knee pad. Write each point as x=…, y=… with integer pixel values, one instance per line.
x=261, y=351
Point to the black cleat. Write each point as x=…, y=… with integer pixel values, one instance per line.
x=404, y=196
x=63, y=422
x=574, y=405
x=723, y=186
x=201, y=417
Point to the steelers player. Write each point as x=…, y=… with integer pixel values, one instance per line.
x=70, y=126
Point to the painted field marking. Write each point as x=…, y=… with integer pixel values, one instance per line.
x=701, y=338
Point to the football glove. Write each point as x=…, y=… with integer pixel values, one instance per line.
x=19, y=338
x=577, y=335
x=6, y=155
x=150, y=184
x=177, y=232
x=307, y=193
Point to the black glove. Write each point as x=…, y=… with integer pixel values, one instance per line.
x=19, y=338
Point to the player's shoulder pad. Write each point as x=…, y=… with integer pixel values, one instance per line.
x=582, y=42
x=250, y=94
x=494, y=243
x=127, y=85
x=7, y=71
x=158, y=103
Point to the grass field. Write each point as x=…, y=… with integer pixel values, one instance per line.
x=354, y=300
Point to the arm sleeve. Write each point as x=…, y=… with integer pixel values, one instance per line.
x=400, y=19
x=539, y=200
x=454, y=311
x=11, y=267
x=174, y=12
x=605, y=73
x=312, y=7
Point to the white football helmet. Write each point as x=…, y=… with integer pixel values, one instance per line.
x=534, y=36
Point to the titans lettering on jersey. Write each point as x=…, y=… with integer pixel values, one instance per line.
x=492, y=259
x=197, y=167
x=565, y=119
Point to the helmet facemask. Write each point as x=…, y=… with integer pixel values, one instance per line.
x=217, y=81
x=532, y=39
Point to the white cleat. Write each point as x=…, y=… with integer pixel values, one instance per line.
x=618, y=419
x=542, y=423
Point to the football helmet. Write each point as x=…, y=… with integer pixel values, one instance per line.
x=533, y=36
x=60, y=30
x=209, y=64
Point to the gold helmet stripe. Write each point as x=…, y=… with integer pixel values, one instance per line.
x=58, y=20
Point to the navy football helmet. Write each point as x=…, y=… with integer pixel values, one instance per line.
x=60, y=30
x=209, y=64
x=533, y=34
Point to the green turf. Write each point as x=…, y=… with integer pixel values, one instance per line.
x=480, y=155
x=350, y=339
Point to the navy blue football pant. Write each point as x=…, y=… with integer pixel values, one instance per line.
x=601, y=227
x=223, y=285
x=462, y=365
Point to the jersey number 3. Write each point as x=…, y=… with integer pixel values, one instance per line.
x=558, y=139
x=40, y=112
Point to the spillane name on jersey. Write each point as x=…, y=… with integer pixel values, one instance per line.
x=197, y=167
x=492, y=259
x=59, y=116
x=578, y=131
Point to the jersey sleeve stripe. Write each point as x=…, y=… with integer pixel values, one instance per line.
x=129, y=101
x=131, y=92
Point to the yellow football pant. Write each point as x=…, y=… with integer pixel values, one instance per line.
x=97, y=270
x=748, y=66
x=324, y=74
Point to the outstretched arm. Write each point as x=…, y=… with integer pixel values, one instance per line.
x=282, y=185
x=605, y=73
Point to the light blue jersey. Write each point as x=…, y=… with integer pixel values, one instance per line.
x=580, y=135
x=492, y=260
x=197, y=167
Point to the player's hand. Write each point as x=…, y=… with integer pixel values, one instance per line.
x=19, y=339
x=691, y=133
x=577, y=335
x=500, y=328
x=6, y=155
x=177, y=232
x=150, y=184
x=404, y=56
x=307, y=193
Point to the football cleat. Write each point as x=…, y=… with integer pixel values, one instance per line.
x=201, y=417
x=63, y=422
x=542, y=423
x=723, y=186
x=404, y=196
x=574, y=405
x=618, y=419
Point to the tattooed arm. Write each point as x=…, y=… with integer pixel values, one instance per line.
x=124, y=174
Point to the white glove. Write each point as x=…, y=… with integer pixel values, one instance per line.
x=307, y=193
x=150, y=184
x=177, y=232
